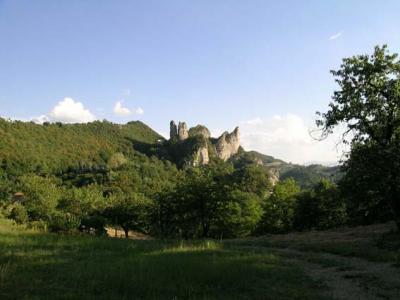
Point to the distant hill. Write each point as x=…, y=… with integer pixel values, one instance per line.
x=305, y=176
x=55, y=147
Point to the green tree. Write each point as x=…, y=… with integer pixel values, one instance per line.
x=279, y=208
x=238, y=215
x=42, y=195
x=320, y=208
x=81, y=202
x=131, y=212
x=253, y=178
x=368, y=103
x=362, y=186
x=207, y=202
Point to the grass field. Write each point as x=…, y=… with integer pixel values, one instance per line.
x=352, y=263
x=37, y=265
x=349, y=263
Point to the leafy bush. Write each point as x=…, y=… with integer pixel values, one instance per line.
x=94, y=223
x=38, y=225
x=19, y=214
x=61, y=222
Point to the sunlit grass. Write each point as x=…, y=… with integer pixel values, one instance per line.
x=378, y=243
x=36, y=265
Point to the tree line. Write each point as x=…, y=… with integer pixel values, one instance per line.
x=212, y=201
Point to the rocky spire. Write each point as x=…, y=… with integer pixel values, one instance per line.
x=173, y=131
x=183, y=132
x=228, y=144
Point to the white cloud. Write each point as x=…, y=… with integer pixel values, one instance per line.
x=41, y=119
x=121, y=111
x=288, y=138
x=139, y=111
x=70, y=111
x=335, y=36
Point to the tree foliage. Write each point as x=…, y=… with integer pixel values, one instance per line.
x=279, y=208
x=321, y=207
x=368, y=103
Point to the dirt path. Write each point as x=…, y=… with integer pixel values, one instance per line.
x=345, y=277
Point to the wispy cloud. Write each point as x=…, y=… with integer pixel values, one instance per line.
x=139, y=111
x=287, y=137
x=121, y=111
x=335, y=36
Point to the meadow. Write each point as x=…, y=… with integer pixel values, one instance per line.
x=36, y=265
x=344, y=263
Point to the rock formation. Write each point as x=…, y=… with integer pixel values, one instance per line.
x=200, y=130
x=201, y=157
x=179, y=132
x=228, y=144
x=183, y=132
x=173, y=131
x=224, y=147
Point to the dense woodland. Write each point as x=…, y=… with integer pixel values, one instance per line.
x=70, y=177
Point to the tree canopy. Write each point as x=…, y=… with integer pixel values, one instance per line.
x=368, y=103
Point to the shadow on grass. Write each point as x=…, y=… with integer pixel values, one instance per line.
x=49, y=266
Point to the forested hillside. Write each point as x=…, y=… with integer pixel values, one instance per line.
x=70, y=176
x=305, y=176
x=54, y=147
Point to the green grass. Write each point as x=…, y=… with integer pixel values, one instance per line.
x=377, y=243
x=37, y=265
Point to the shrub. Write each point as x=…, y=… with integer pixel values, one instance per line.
x=60, y=222
x=38, y=225
x=94, y=223
x=19, y=214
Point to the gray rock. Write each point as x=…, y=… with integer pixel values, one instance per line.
x=228, y=144
x=173, y=131
x=201, y=157
x=183, y=132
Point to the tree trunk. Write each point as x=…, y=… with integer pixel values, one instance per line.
x=395, y=205
x=394, y=193
x=126, y=230
x=397, y=220
x=206, y=228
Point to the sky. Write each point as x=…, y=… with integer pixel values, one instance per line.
x=260, y=65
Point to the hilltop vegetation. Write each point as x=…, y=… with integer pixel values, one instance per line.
x=88, y=176
x=54, y=147
x=305, y=176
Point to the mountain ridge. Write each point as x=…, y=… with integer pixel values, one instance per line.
x=52, y=147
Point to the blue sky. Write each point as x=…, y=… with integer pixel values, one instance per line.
x=263, y=65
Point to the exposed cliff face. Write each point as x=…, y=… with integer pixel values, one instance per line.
x=173, y=131
x=225, y=146
x=179, y=132
x=183, y=132
x=228, y=144
x=201, y=157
